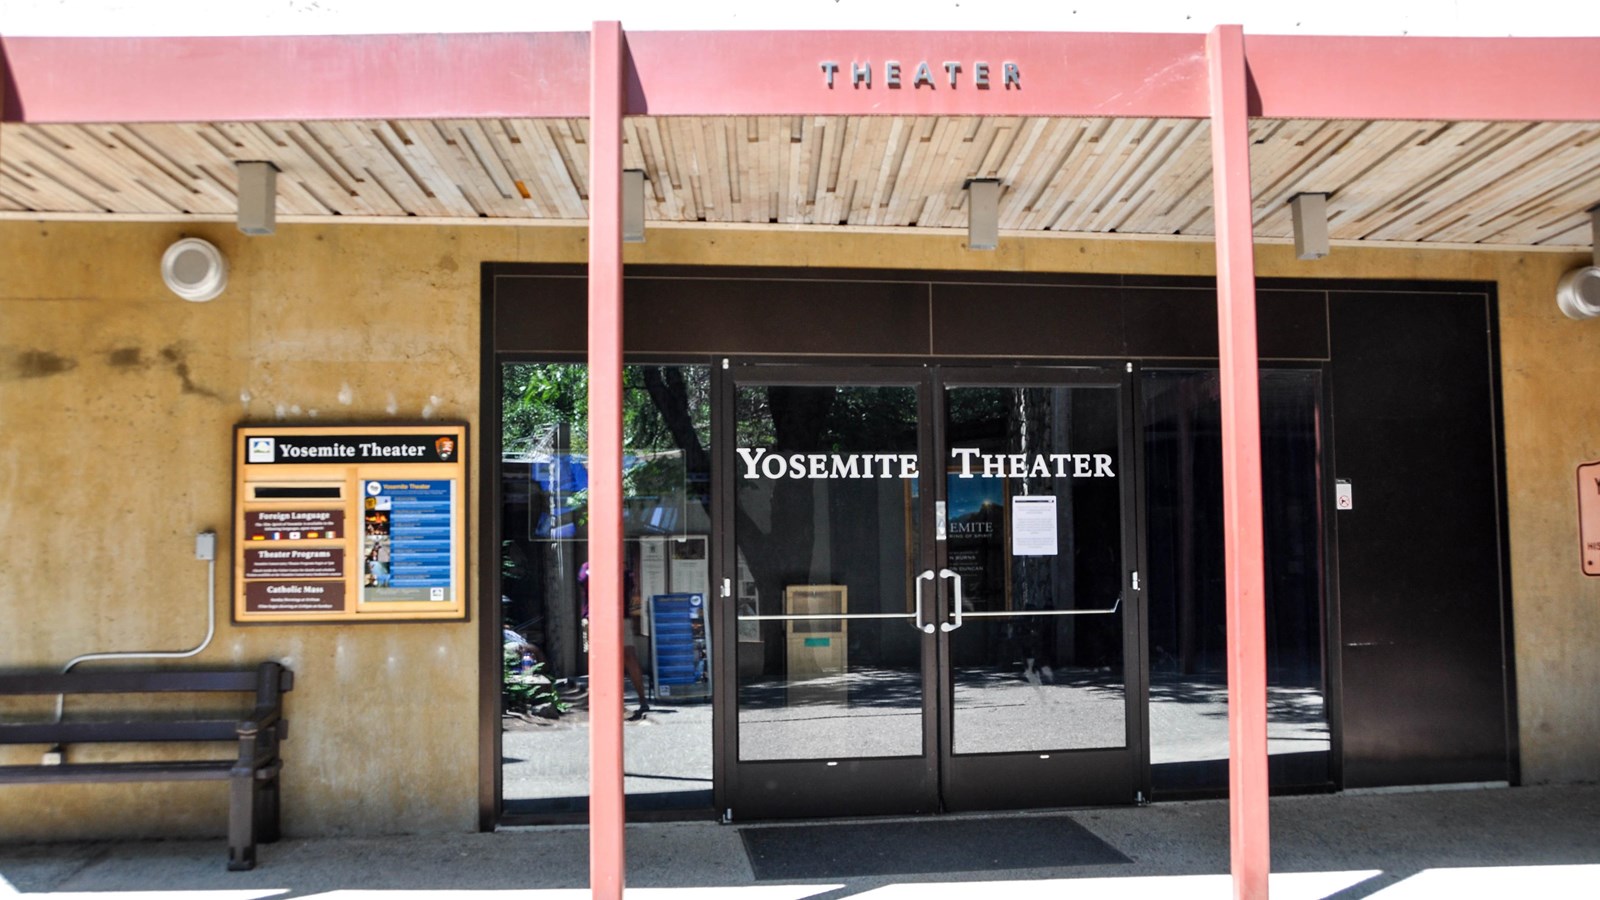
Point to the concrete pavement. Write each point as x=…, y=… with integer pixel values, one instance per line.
x=1538, y=841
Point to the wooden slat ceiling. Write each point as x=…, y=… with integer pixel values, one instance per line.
x=1515, y=184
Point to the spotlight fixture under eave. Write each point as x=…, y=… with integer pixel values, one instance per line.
x=258, y=197
x=1310, y=214
x=633, y=206
x=983, y=213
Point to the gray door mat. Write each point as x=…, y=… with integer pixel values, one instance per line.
x=837, y=850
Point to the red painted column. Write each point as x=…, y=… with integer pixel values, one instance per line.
x=1241, y=464
x=606, y=816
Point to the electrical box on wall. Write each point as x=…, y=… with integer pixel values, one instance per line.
x=345, y=523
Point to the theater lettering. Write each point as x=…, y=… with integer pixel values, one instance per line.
x=970, y=462
x=895, y=75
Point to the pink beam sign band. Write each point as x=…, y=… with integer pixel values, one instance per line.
x=1437, y=79
x=216, y=79
x=606, y=798
x=367, y=77
x=918, y=73
x=301, y=78
x=1241, y=464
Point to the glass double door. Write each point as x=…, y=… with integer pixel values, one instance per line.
x=929, y=590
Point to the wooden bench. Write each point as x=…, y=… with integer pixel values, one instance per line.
x=252, y=775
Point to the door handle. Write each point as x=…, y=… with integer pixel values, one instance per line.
x=955, y=602
x=916, y=620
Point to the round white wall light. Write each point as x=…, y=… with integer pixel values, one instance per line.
x=194, y=270
x=1578, y=293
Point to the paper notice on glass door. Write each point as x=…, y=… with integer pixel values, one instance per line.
x=1033, y=526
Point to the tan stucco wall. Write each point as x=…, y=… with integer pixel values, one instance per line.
x=117, y=402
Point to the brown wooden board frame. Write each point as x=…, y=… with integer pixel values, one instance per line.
x=284, y=475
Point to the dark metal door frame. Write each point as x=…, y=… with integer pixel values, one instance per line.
x=1022, y=779
x=822, y=786
x=927, y=783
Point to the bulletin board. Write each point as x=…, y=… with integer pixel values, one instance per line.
x=349, y=524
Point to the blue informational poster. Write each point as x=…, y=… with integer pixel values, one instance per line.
x=407, y=544
x=680, y=647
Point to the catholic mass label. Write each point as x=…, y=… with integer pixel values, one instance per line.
x=294, y=596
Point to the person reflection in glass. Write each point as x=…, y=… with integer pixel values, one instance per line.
x=630, y=656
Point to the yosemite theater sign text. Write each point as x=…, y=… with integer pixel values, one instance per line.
x=759, y=463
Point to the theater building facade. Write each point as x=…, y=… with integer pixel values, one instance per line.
x=891, y=523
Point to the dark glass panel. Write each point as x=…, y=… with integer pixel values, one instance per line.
x=825, y=523
x=543, y=577
x=1033, y=485
x=1187, y=619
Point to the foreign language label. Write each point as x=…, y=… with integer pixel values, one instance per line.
x=318, y=562
x=294, y=596
x=293, y=524
x=407, y=551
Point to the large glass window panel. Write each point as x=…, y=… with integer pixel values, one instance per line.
x=825, y=524
x=543, y=570
x=1033, y=486
x=1186, y=593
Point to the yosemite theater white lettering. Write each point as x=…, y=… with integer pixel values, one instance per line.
x=759, y=463
x=1017, y=465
